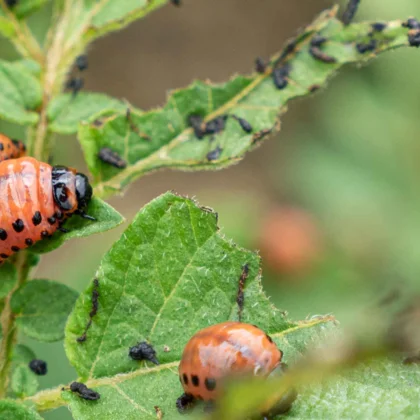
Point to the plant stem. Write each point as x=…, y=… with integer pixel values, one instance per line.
x=8, y=324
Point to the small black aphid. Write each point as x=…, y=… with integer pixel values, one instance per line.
x=321, y=56
x=185, y=402
x=240, y=299
x=260, y=65
x=196, y=122
x=216, y=125
x=84, y=392
x=176, y=2
x=364, y=48
x=214, y=154
x=245, y=125
x=350, y=11
x=111, y=157
x=411, y=23
x=414, y=38
x=279, y=78
x=75, y=84
x=288, y=49
x=318, y=40
x=39, y=367
x=379, y=26
x=143, y=351
x=82, y=62
x=93, y=311
x=11, y=3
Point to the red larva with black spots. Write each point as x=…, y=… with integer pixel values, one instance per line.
x=36, y=198
x=227, y=350
x=11, y=149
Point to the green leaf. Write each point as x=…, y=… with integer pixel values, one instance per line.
x=8, y=278
x=23, y=381
x=42, y=308
x=107, y=218
x=12, y=410
x=66, y=111
x=172, y=143
x=171, y=274
x=23, y=354
x=382, y=389
x=20, y=94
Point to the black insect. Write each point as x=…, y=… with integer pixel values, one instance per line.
x=216, y=125
x=280, y=75
x=196, y=122
x=75, y=85
x=176, y=2
x=379, y=26
x=214, y=154
x=411, y=23
x=319, y=55
x=11, y=3
x=84, y=392
x=363, y=48
x=350, y=11
x=245, y=125
x=184, y=402
x=288, y=49
x=93, y=311
x=82, y=62
x=39, y=367
x=318, y=41
x=414, y=38
x=143, y=351
x=111, y=157
x=260, y=65
x=240, y=299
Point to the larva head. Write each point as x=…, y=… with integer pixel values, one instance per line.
x=71, y=190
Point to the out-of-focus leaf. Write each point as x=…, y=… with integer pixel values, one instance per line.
x=8, y=278
x=169, y=275
x=163, y=138
x=20, y=94
x=42, y=307
x=66, y=111
x=12, y=410
x=23, y=381
x=106, y=216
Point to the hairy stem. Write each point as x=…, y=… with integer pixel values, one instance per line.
x=7, y=320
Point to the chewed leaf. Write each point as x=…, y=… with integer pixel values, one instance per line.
x=41, y=308
x=170, y=274
x=106, y=217
x=20, y=94
x=66, y=111
x=209, y=126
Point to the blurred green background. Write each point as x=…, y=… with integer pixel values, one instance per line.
x=331, y=201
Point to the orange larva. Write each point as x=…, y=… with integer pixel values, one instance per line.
x=11, y=149
x=221, y=351
x=36, y=198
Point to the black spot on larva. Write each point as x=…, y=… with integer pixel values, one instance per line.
x=37, y=218
x=195, y=380
x=59, y=215
x=29, y=241
x=51, y=220
x=1, y=147
x=269, y=338
x=15, y=248
x=4, y=256
x=3, y=234
x=18, y=225
x=185, y=378
x=210, y=384
x=44, y=234
x=39, y=367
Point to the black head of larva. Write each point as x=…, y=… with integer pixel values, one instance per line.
x=83, y=191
